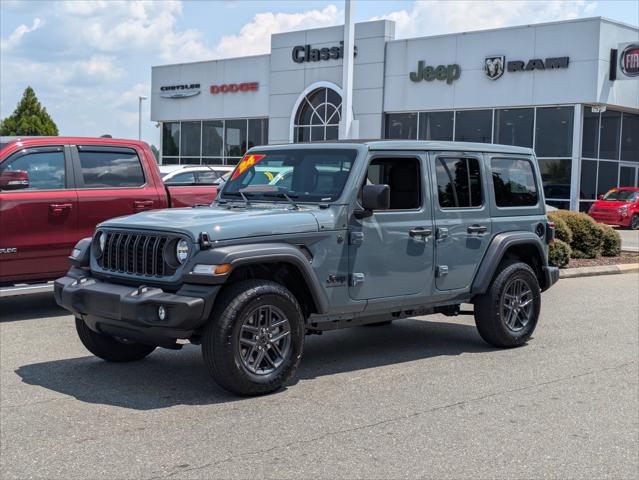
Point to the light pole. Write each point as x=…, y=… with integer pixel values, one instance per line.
x=140, y=116
x=348, y=127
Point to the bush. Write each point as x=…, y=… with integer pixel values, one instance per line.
x=559, y=253
x=562, y=231
x=611, y=241
x=587, y=239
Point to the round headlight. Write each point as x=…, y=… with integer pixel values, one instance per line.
x=101, y=241
x=182, y=251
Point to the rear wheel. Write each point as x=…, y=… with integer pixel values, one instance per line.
x=506, y=315
x=254, y=341
x=108, y=348
x=634, y=222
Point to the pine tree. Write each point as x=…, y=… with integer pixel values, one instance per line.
x=29, y=118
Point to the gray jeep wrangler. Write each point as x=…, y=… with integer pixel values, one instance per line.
x=314, y=237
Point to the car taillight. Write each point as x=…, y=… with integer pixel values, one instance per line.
x=550, y=232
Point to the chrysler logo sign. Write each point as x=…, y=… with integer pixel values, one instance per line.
x=180, y=91
x=629, y=60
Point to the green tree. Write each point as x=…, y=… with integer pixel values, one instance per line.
x=29, y=118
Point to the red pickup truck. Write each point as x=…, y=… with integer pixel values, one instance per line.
x=54, y=190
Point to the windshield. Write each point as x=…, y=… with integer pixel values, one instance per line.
x=622, y=195
x=307, y=175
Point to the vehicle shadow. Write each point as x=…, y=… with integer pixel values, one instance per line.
x=167, y=378
x=30, y=307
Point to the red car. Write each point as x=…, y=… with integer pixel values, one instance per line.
x=54, y=190
x=620, y=206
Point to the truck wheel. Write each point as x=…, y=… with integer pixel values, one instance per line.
x=506, y=315
x=255, y=338
x=108, y=348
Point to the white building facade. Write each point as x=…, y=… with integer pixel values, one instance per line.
x=570, y=90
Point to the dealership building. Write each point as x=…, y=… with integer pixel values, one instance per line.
x=569, y=89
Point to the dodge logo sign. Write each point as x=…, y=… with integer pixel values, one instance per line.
x=494, y=66
x=629, y=60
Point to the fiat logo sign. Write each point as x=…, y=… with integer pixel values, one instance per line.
x=629, y=61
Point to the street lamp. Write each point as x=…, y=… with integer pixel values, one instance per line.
x=140, y=116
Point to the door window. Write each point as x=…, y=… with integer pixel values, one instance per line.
x=514, y=182
x=111, y=169
x=458, y=182
x=45, y=169
x=210, y=177
x=186, y=178
x=403, y=177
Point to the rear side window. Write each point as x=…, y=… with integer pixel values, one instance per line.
x=458, y=182
x=111, y=169
x=208, y=178
x=186, y=178
x=45, y=170
x=514, y=182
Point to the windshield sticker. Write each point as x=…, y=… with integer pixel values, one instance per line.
x=247, y=162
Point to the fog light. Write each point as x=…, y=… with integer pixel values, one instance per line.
x=161, y=313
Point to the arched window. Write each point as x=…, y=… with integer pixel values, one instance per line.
x=318, y=116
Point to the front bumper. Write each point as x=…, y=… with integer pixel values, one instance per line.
x=132, y=313
x=612, y=218
x=552, y=276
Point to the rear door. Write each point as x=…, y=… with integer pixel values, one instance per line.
x=192, y=188
x=38, y=224
x=462, y=217
x=111, y=182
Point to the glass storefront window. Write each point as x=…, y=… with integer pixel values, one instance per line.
x=436, y=126
x=610, y=131
x=555, y=175
x=607, y=178
x=212, y=161
x=190, y=139
x=554, y=132
x=212, y=135
x=630, y=137
x=257, y=132
x=235, y=138
x=514, y=127
x=590, y=140
x=171, y=138
x=401, y=126
x=474, y=126
x=588, y=182
x=170, y=160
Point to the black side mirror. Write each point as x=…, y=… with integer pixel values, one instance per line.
x=374, y=197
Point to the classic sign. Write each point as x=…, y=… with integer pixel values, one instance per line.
x=305, y=53
x=449, y=73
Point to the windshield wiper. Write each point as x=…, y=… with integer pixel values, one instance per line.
x=283, y=195
x=239, y=194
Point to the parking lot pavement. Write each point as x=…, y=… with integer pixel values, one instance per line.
x=421, y=398
x=629, y=239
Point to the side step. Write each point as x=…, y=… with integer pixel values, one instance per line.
x=13, y=290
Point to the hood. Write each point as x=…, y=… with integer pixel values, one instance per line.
x=221, y=223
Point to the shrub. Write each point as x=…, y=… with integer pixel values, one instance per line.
x=611, y=241
x=562, y=231
x=559, y=253
x=587, y=239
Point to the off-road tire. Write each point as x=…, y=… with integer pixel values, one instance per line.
x=108, y=348
x=634, y=222
x=220, y=342
x=490, y=323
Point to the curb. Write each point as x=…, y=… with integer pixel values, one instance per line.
x=601, y=270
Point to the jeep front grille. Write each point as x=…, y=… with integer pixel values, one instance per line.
x=135, y=253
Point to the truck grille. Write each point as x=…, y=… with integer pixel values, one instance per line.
x=134, y=253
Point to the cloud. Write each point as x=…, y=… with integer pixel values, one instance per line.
x=255, y=37
x=435, y=17
x=16, y=36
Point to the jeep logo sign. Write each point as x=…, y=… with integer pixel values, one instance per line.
x=450, y=73
x=629, y=60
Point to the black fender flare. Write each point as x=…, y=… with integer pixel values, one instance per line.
x=258, y=253
x=495, y=253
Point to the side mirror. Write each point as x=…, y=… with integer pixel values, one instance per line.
x=376, y=197
x=14, y=180
x=600, y=197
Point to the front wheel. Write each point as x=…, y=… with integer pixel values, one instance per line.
x=254, y=341
x=634, y=222
x=506, y=315
x=109, y=348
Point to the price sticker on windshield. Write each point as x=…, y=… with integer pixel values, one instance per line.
x=247, y=162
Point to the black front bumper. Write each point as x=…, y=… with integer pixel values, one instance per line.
x=133, y=312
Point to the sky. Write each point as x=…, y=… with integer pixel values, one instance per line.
x=89, y=61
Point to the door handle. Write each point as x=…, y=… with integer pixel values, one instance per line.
x=420, y=232
x=58, y=208
x=477, y=229
x=143, y=204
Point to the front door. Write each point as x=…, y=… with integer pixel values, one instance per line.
x=38, y=223
x=462, y=218
x=628, y=175
x=391, y=251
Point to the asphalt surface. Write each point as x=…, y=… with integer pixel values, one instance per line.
x=421, y=398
